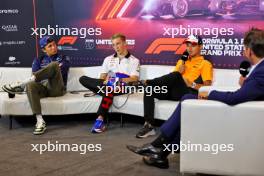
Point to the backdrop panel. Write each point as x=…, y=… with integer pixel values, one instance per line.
x=155, y=28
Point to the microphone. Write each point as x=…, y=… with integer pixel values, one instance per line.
x=185, y=56
x=244, y=68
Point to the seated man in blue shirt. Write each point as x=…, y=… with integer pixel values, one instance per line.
x=49, y=79
x=252, y=89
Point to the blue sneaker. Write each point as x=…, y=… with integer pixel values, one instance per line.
x=98, y=126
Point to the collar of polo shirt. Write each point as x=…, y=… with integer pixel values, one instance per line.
x=126, y=56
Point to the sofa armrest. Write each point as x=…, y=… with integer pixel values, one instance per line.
x=212, y=122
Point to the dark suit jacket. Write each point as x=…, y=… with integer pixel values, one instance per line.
x=251, y=90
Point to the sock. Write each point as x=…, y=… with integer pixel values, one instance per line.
x=159, y=141
x=100, y=117
x=148, y=124
x=40, y=119
x=31, y=79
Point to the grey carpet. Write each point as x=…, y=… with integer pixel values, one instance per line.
x=16, y=157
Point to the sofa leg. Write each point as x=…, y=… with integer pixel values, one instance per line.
x=121, y=121
x=10, y=122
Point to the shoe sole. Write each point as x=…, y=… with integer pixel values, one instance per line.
x=141, y=154
x=98, y=130
x=164, y=166
x=41, y=132
x=151, y=133
x=10, y=91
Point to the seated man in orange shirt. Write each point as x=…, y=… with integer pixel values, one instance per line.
x=187, y=77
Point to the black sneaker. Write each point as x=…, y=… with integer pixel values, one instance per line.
x=146, y=131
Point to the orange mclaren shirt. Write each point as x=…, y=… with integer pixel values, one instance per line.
x=196, y=67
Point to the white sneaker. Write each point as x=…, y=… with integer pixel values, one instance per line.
x=15, y=88
x=40, y=128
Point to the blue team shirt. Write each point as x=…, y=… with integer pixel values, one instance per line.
x=42, y=62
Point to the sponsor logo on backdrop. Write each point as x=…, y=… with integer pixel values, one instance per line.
x=10, y=28
x=12, y=42
x=12, y=61
x=211, y=46
x=82, y=32
x=223, y=47
x=166, y=44
x=215, y=41
x=67, y=42
x=9, y=11
x=89, y=44
x=107, y=43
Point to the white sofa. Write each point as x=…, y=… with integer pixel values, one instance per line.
x=76, y=103
x=204, y=122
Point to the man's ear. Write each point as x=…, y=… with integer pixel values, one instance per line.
x=44, y=50
x=125, y=43
x=250, y=52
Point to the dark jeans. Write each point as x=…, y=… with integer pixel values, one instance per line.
x=172, y=127
x=176, y=88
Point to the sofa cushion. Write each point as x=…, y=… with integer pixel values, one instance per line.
x=134, y=106
x=67, y=104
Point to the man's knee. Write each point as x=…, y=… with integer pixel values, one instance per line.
x=82, y=79
x=54, y=65
x=176, y=74
x=31, y=86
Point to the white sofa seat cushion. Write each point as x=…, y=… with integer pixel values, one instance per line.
x=135, y=106
x=70, y=104
x=78, y=104
x=16, y=106
x=67, y=104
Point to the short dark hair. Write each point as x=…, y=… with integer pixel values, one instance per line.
x=119, y=35
x=254, y=39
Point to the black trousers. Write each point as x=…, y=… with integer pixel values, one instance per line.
x=176, y=88
x=107, y=100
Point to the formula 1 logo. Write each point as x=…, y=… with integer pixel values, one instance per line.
x=166, y=45
x=67, y=40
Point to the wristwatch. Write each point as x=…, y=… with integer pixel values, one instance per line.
x=194, y=85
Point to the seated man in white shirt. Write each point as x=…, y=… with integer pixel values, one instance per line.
x=120, y=62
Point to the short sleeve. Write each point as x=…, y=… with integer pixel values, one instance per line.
x=207, y=71
x=135, y=68
x=105, y=68
x=178, y=64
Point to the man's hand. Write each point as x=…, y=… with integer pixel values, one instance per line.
x=182, y=68
x=241, y=80
x=203, y=95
